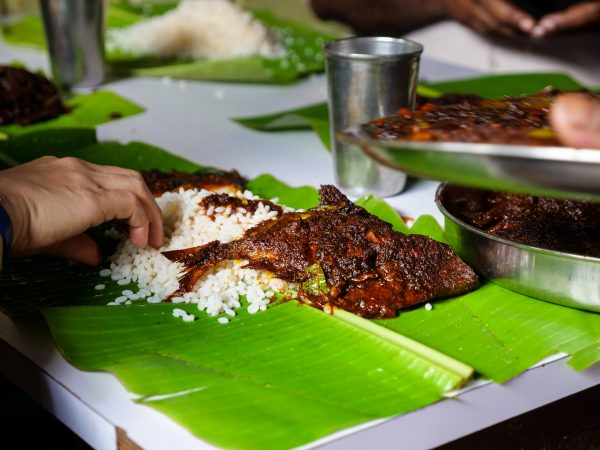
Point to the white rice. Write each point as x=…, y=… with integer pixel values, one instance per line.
x=188, y=225
x=212, y=29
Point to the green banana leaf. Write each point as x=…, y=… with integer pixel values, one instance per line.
x=316, y=116
x=29, y=30
x=497, y=86
x=86, y=110
x=291, y=374
x=267, y=186
x=303, y=46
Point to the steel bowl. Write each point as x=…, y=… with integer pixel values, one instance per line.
x=563, y=278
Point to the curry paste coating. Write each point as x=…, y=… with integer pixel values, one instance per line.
x=160, y=182
x=370, y=269
x=467, y=118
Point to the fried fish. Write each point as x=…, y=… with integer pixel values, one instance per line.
x=341, y=256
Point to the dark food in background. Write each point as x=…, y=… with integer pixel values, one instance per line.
x=561, y=225
x=160, y=182
x=369, y=269
x=26, y=97
x=467, y=118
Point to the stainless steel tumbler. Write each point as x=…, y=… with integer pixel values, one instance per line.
x=368, y=77
x=75, y=38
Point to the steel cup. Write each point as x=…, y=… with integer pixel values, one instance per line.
x=368, y=77
x=75, y=38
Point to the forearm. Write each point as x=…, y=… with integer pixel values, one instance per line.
x=381, y=16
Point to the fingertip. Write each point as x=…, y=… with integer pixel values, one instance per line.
x=573, y=119
x=94, y=257
x=139, y=235
x=157, y=238
x=81, y=249
x=526, y=24
x=549, y=24
x=538, y=32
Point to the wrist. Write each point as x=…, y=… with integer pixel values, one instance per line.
x=14, y=213
x=6, y=230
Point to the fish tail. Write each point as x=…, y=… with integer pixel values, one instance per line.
x=197, y=261
x=190, y=257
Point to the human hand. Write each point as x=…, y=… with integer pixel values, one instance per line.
x=490, y=16
x=52, y=201
x=576, y=120
x=576, y=16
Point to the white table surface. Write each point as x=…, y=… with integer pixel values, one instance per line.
x=191, y=119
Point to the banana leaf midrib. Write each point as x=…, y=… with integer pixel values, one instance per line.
x=456, y=376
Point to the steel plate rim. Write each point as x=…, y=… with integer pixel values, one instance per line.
x=358, y=135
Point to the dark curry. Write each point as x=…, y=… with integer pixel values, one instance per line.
x=562, y=225
x=27, y=97
x=468, y=118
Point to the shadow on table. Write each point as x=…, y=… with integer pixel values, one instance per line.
x=572, y=423
x=25, y=424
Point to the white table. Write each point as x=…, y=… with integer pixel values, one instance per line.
x=192, y=119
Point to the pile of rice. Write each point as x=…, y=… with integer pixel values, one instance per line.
x=212, y=29
x=187, y=224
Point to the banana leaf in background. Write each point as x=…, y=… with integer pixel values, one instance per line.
x=292, y=374
x=303, y=50
x=313, y=117
x=316, y=117
x=86, y=111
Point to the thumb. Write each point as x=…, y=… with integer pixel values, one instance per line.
x=80, y=248
x=576, y=120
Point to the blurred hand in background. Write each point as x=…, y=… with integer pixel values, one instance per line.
x=580, y=15
x=496, y=17
x=576, y=120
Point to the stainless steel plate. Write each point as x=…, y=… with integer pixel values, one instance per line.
x=549, y=171
x=563, y=278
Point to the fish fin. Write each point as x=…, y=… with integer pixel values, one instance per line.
x=332, y=196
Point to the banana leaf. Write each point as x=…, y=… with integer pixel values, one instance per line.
x=29, y=30
x=267, y=186
x=316, y=117
x=86, y=110
x=303, y=49
x=291, y=374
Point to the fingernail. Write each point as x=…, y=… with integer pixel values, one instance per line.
x=526, y=24
x=538, y=32
x=548, y=24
